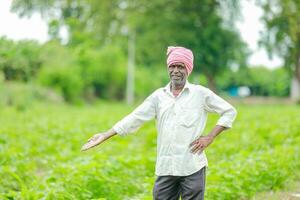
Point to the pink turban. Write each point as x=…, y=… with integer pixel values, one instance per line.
x=180, y=54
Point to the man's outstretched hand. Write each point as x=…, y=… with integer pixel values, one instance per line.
x=98, y=139
x=94, y=141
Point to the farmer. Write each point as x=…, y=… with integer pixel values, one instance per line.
x=180, y=109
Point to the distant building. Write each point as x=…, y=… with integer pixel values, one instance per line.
x=242, y=91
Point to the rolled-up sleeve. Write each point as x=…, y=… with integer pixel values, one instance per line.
x=214, y=103
x=143, y=113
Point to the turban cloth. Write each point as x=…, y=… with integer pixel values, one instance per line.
x=182, y=55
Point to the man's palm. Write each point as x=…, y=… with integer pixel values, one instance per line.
x=94, y=141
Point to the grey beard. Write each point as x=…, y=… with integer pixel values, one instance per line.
x=178, y=84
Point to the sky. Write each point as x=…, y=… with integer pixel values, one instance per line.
x=13, y=27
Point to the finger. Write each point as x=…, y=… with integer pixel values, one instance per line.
x=85, y=147
x=199, y=151
x=197, y=147
x=89, y=145
x=194, y=142
x=93, y=138
x=193, y=146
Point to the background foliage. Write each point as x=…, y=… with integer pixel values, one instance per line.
x=51, y=97
x=40, y=157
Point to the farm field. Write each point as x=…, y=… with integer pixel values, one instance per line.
x=40, y=154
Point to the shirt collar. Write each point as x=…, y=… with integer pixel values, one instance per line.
x=187, y=86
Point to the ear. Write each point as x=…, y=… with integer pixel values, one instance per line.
x=186, y=71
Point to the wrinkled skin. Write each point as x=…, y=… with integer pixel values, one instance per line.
x=178, y=75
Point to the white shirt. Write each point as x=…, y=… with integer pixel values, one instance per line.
x=179, y=121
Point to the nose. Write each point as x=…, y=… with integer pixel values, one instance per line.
x=176, y=69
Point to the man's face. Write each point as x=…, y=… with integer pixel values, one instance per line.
x=177, y=73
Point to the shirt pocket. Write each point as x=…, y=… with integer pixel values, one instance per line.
x=188, y=117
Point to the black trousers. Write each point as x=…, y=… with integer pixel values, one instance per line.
x=190, y=187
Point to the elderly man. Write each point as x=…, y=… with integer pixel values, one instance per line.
x=180, y=109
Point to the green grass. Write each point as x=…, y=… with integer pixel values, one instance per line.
x=40, y=154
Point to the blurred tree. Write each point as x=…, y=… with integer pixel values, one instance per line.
x=19, y=60
x=197, y=24
x=60, y=71
x=103, y=71
x=81, y=72
x=205, y=26
x=85, y=20
x=261, y=81
x=282, y=20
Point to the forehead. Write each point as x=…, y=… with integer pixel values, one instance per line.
x=178, y=64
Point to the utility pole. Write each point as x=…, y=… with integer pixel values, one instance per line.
x=131, y=66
